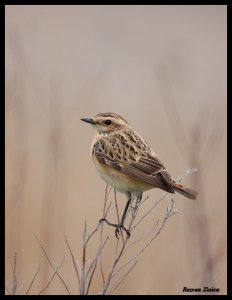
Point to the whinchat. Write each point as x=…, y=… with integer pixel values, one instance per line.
x=127, y=163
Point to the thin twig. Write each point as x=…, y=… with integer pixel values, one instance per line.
x=101, y=233
x=82, y=286
x=96, y=257
x=92, y=233
x=113, y=266
x=51, y=264
x=107, y=194
x=143, y=237
x=101, y=265
x=124, y=265
x=170, y=212
x=55, y=273
x=135, y=210
x=95, y=264
x=45, y=253
x=149, y=211
x=32, y=281
x=49, y=282
x=91, y=277
x=73, y=260
x=123, y=277
x=119, y=255
x=14, y=281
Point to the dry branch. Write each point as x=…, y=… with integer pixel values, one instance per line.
x=32, y=281
x=51, y=264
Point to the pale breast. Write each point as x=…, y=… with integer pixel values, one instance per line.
x=118, y=180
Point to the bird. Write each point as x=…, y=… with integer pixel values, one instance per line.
x=126, y=162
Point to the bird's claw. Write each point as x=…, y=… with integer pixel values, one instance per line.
x=117, y=231
x=118, y=228
x=101, y=220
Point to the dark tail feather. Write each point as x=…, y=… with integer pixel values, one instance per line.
x=186, y=191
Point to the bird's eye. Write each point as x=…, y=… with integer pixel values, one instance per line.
x=108, y=122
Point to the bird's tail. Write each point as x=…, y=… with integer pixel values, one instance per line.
x=184, y=190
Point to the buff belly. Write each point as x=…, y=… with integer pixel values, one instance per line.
x=120, y=181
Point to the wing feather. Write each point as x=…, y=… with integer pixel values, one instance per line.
x=148, y=169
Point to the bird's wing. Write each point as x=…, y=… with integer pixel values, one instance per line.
x=126, y=157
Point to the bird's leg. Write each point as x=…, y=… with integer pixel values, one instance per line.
x=139, y=198
x=121, y=224
x=137, y=203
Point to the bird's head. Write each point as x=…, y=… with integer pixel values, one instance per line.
x=107, y=123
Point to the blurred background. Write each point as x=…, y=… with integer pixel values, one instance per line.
x=163, y=68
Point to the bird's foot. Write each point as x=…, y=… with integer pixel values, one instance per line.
x=118, y=229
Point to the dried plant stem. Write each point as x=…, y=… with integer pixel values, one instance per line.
x=91, y=277
x=170, y=212
x=143, y=237
x=95, y=264
x=86, y=279
x=87, y=270
x=149, y=211
x=53, y=276
x=122, y=278
x=49, y=282
x=113, y=267
x=14, y=280
x=82, y=281
x=32, y=281
x=101, y=232
x=96, y=257
x=51, y=264
x=119, y=255
x=73, y=260
x=112, y=273
x=101, y=265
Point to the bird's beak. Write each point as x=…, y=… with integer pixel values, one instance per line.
x=88, y=120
